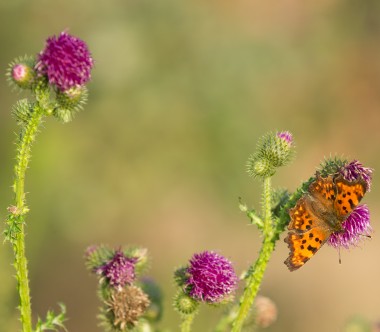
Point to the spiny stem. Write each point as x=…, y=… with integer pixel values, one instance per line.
x=187, y=321
x=256, y=272
x=26, y=138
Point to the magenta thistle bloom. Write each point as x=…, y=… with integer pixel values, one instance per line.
x=356, y=226
x=355, y=170
x=211, y=277
x=286, y=136
x=66, y=61
x=120, y=270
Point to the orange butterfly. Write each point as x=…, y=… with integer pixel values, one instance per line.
x=319, y=213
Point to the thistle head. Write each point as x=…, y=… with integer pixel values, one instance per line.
x=65, y=61
x=119, y=271
x=209, y=278
x=117, y=268
x=356, y=227
x=355, y=170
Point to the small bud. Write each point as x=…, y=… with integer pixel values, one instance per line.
x=185, y=304
x=259, y=167
x=69, y=102
x=21, y=72
x=22, y=75
x=265, y=311
x=96, y=256
x=14, y=210
x=273, y=150
x=22, y=111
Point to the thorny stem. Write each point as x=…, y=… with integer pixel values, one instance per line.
x=187, y=321
x=256, y=271
x=26, y=139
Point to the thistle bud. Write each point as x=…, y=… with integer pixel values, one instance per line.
x=273, y=151
x=70, y=102
x=185, y=304
x=21, y=72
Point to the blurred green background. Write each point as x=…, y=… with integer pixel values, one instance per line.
x=181, y=91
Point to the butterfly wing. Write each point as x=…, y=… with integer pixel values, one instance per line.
x=323, y=190
x=348, y=196
x=307, y=233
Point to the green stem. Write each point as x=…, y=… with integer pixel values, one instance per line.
x=187, y=321
x=26, y=140
x=256, y=272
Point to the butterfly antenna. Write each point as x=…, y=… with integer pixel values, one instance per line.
x=340, y=258
x=366, y=235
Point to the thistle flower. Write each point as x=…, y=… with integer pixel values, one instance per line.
x=211, y=277
x=354, y=170
x=65, y=61
x=355, y=226
x=119, y=271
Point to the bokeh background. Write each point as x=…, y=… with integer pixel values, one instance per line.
x=181, y=92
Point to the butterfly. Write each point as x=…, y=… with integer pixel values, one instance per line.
x=319, y=213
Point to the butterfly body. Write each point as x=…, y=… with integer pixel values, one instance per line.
x=319, y=213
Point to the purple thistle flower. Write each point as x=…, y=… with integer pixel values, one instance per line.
x=286, y=136
x=120, y=270
x=354, y=170
x=355, y=226
x=66, y=61
x=211, y=277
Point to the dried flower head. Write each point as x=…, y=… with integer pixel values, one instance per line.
x=119, y=271
x=65, y=61
x=211, y=277
x=126, y=306
x=356, y=227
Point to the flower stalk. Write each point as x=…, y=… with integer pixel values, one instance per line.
x=27, y=137
x=58, y=68
x=187, y=321
x=256, y=272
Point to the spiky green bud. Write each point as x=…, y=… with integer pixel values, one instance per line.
x=21, y=72
x=273, y=150
x=331, y=166
x=185, y=304
x=22, y=111
x=70, y=102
